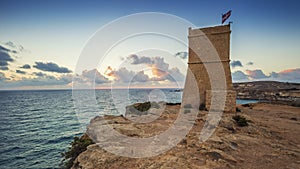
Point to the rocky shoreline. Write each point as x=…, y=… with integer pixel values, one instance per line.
x=270, y=139
x=260, y=135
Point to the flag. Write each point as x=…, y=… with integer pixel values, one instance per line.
x=226, y=16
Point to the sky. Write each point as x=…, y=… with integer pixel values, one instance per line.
x=41, y=42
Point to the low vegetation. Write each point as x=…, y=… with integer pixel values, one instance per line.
x=240, y=120
x=142, y=107
x=78, y=145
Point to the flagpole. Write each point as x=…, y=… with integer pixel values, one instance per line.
x=222, y=19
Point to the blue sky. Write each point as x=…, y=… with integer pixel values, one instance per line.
x=264, y=33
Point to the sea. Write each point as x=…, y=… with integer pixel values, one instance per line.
x=37, y=126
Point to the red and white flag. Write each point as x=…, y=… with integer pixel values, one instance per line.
x=226, y=16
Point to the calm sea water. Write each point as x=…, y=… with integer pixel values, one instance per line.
x=37, y=126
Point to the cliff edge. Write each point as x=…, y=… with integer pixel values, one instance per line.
x=271, y=139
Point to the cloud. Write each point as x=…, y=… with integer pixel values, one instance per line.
x=3, y=68
x=66, y=79
x=26, y=66
x=2, y=77
x=20, y=72
x=182, y=55
x=15, y=46
x=140, y=77
x=4, y=49
x=92, y=76
x=140, y=59
x=39, y=81
x=250, y=63
x=39, y=74
x=5, y=56
x=175, y=75
x=160, y=69
x=288, y=75
x=89, y=78
x=236, y=63
x=256, y=74
x=51, y=67
x=6, y=52
x=238, y=76
x=3, y=63
x=124, y=75
x=45, y=81
x=291, y=75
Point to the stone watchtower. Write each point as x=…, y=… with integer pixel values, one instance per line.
x=209, y=50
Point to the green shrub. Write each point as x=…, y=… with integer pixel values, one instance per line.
x=142, y=107
x=78, y=145
x=240, y=120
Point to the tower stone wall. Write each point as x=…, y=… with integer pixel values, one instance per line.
x=212, y=57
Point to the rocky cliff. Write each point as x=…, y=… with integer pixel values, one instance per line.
x=270, y=139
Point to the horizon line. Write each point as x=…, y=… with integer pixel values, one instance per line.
x=105, y=88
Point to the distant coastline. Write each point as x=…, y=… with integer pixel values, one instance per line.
x=269, y=91
x=273, y=85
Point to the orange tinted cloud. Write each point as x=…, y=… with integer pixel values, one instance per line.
x=288, y=71
x=108, y=71
x=157, y=72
